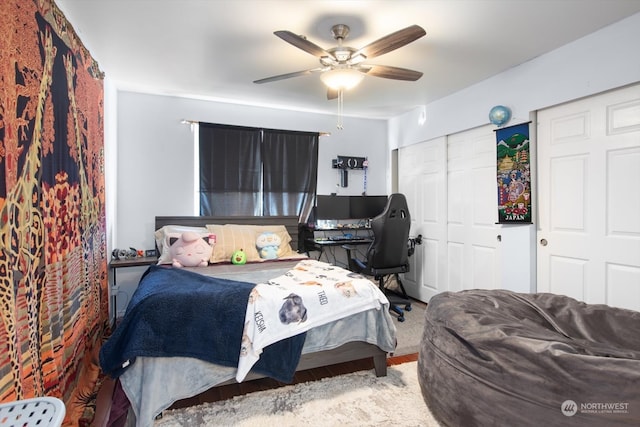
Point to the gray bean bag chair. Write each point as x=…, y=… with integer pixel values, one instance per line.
x=498, y=358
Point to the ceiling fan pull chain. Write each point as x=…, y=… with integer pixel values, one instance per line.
x=340, y=102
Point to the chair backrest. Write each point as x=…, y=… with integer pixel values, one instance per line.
x=390, y=235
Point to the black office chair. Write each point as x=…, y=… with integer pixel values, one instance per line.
x=388, y=254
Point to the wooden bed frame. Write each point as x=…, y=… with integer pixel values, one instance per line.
x=348, y=352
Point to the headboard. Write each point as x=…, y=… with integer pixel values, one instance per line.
x=290, y=222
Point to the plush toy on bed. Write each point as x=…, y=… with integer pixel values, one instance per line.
x=268, y=245
x=190, y=250
x=239, y=257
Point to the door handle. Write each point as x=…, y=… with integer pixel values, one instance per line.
x=543, y=242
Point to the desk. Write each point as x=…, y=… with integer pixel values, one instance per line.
x=319, y=244
x=122, y=263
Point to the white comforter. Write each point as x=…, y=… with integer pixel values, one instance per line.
x=311, y=294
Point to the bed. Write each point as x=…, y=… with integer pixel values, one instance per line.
x=154, y=380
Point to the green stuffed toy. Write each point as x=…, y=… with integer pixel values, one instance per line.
x=239, y=257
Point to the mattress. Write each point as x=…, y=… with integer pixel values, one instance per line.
x=152, y=384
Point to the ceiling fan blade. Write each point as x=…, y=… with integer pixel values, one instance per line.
x=391, y=42
x=287, y=76
x=302, y=43
x=332, y=94
x=388, y=72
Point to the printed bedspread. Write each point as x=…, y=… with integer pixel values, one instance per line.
x=311, y=294
x=179, y=313
x=175, y=312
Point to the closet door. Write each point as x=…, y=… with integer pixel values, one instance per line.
x=422, y=178
x=589, y=184
x=473, y=261
x=450, y=184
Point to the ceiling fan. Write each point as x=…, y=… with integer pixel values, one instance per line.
x=348, y=62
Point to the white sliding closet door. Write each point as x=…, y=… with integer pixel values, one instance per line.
x=589, y=183
x=450, y=184
x=422, y=178
x=472, y=234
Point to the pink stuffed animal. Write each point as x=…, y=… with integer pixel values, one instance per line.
x=190, y=250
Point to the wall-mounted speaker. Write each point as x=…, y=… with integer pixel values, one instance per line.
x=348, y=162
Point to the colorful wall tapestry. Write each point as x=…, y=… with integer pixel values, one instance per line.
x=514, y=174
x=53, y=269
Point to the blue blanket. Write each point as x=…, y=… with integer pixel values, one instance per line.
x=175, y=312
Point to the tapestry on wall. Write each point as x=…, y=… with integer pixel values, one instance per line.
x=514, y=174
x=53, y=270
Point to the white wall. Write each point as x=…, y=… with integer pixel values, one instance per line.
x=601, y=61
x=155, y=155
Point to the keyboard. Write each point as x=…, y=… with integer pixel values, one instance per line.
x=343, y=238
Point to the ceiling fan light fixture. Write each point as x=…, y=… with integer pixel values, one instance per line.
x=357, y=59
x=342, y=66
x=342, y=78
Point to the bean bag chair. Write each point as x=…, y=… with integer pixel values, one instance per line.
x=499, y=358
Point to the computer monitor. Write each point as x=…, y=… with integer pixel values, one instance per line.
x=332, y=207
x=349, y=207
x=366, y=207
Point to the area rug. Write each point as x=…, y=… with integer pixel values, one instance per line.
x=356, y=399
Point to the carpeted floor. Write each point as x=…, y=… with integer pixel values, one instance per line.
x=410, y=331
x=359, y=398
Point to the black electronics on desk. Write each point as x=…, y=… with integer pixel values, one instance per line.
x=349, y=207
x=339, y=214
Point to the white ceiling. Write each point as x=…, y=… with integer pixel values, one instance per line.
x=215, y=49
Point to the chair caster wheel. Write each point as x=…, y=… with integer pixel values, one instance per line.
x=407, y=308
x=401, y=319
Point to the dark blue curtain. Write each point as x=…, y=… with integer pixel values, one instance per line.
x=290, y=164
x=253, y=171
x=230, y=169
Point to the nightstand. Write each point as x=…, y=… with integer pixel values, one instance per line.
x=122, y=263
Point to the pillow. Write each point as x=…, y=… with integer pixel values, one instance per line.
x=163, y=236
x=190, y=250
x=232, y=237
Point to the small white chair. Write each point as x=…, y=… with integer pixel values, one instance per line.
x=38, y=411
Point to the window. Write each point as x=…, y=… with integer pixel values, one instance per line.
x=259, y=172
